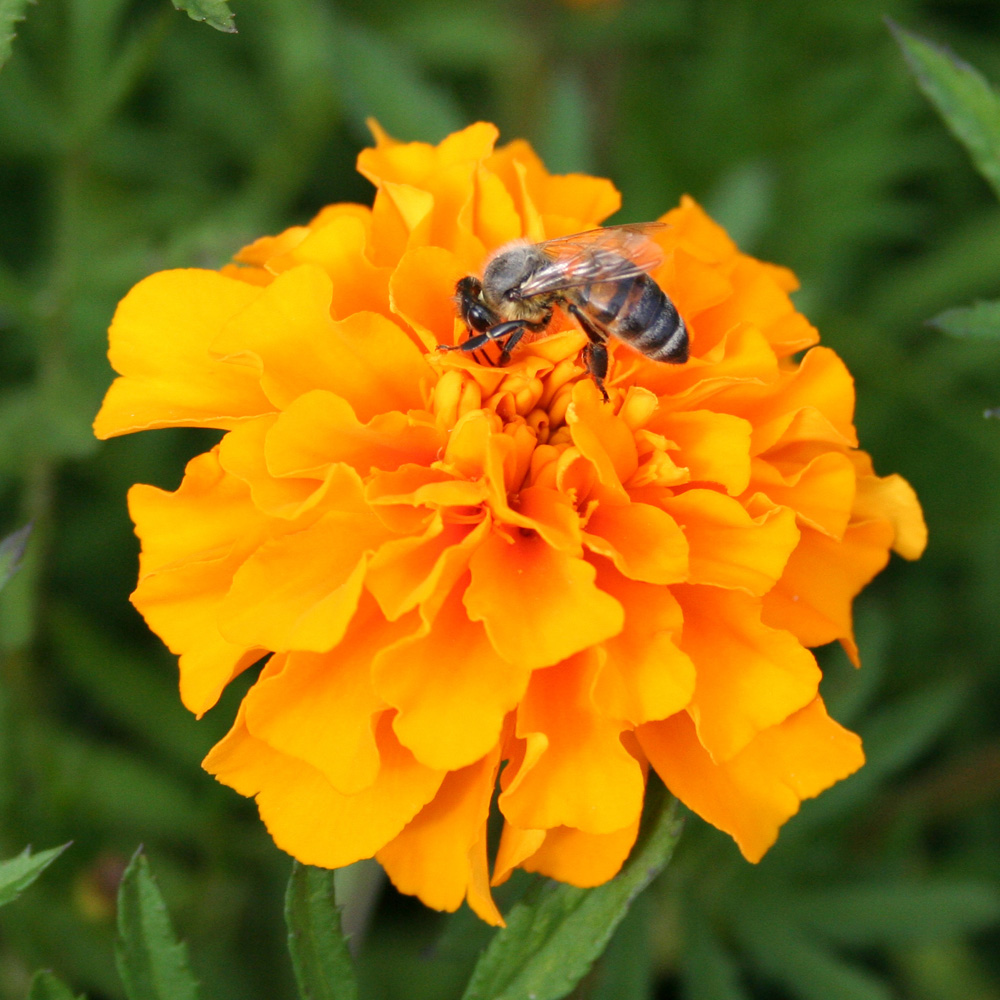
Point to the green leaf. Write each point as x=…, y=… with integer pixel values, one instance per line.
x=320, y=956
x=962, y=96
x=16, y=874
x=556, y=932
x=153, y=964
x=11, y=552
x=213, y=12
x=11, y=11
x=981, y=320
x=45, y=986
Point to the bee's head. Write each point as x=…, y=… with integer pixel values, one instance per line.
x=506, y=271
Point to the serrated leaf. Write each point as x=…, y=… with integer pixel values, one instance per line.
x=898, y=914
x=213, y=12
x=17, y=873
x=46, y=986
x=11, y=11
x=11, y=552
x=981, y=320
x=320, y=956
x=152, y=963
x=556, y=932
x=962, y=96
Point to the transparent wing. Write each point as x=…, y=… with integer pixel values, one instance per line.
x=610, y=254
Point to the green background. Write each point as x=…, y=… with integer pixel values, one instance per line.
x=134, y=139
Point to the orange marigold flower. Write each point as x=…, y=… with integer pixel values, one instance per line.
x=452, y=566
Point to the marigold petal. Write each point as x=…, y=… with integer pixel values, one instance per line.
x=422, y=569
x=714, y=447
x=515, y=846
x=751, y=795
x=320, y=428
x=602, y=437
x=644, y=542
x=556, y=610
x=300, y=591
x=728, y=547
x=583, y=777
x=305, y=815
x=288, y=336
x=692, y=228
x=440, y=855
x=322, y=707
x=582, y=859
x=893, y=498
x=821, y=492
x=422, y=291
x=644, y=675
x=749, y=676
x=158, y=344
x=823, y=576
x=451, y=688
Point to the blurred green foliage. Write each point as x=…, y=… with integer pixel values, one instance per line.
x=133, y=139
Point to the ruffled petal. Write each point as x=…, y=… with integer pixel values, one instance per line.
x=305, y=815
x=451, y=688
x=582, y=859
x=752, y=794
x=578, y=774
x=749, y=676
x=440, y=855
x=574, y=614
x=180, y=385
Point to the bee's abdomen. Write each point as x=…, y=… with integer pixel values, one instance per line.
x=637, y=312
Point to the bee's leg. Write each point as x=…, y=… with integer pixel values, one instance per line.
x=508, y=345
x=595, y=354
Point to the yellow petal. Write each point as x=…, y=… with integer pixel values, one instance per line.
x=441, y=854
x=715, y=447
x=451, y=688
x=749, y=676
x=893, y=498
x=305, y=815
x=159, y=345
x=539, y=605
x=728, y=547
x=583, y=777
x=751, y=795
x=645, y=675
x=289, y=338
x=582, y=859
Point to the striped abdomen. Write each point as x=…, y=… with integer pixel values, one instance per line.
x=637, y=311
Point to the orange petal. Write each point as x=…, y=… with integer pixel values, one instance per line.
x=645, y=676
x=451, y=688
x=602, y=437
x=422, y=569
x=289, y=338
x=515, y=845
x=823, y=576
x=749, y=676
x=728, y=547
x=892, y=498
x=539, y=605
x=159, y=345
x=582, y=777
x=300, y=591
x=582, y=859
x=751, y=795
x=322, y=707
x=241, y=453
x=692, y=228
x=422, y=290
x=644, y=542
x=820, y=492
x=715, y=447
x=306, y=815
x=320, y=428
x=440, y=856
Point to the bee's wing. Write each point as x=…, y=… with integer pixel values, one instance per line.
x=611, y=254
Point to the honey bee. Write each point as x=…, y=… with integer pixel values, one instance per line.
x=600, y=277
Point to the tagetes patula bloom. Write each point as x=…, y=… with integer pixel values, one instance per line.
x=446, y=567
